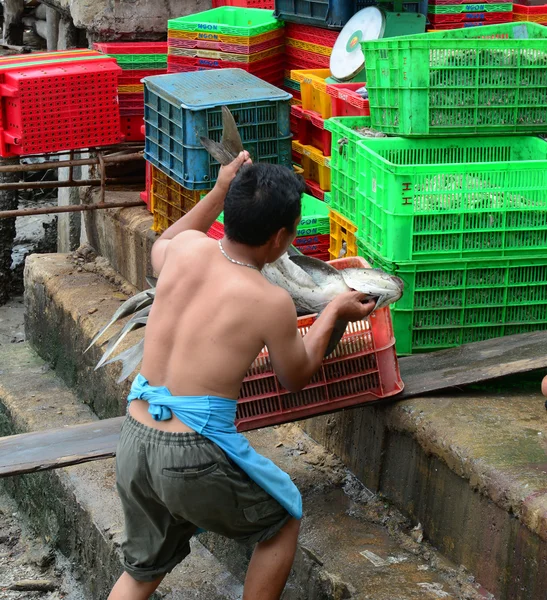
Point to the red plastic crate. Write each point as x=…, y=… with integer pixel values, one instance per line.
x=131, y=47
x=267, y=4
x=131, y=104
x=362, y=369
x=521, y=9
x=298, y=64
x=313, y=35
x=484, y=17
x=313, y=188
x=225, y=47
x=68, y=100
x=449, y=26
x=269, y=69
x=131, y=128
x=134, y=77
x=319, y=61
x=216, y=231
x=313, y=249
x=145, y=196
x=311, y=130
x=295, y=94
x=312, y=239
x=346, y=102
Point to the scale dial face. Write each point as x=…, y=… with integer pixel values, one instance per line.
x=347, y=58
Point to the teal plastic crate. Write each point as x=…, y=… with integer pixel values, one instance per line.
x=315, y=217
x=180, y=108
x=228, y=20
x=445, y=200
x=343, y=163
x=479, y=80
x=445, y=305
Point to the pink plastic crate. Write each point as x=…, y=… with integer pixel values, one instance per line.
x=346, y=102
x=362, y=369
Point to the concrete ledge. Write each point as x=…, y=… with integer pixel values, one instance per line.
x=337, y=527
x=123, y=236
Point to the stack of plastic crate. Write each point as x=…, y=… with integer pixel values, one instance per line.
x=312, y=146
x=181, y=108
x=308, y=47
x=530, y=10
x=137, y=60
x=228, y=37
x=457, y=14
x=457, y=205
x=52, y=101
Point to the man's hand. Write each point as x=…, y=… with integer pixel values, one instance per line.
x=353, y=306
x=228, y=172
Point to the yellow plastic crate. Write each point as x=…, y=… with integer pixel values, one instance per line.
x=341, y=230
x=137, y=88
x=316, y=166
x=542, y=19
x=169, y=200
x=308, y=47
x=240, y=40
x=314, y=90
x=228, y=56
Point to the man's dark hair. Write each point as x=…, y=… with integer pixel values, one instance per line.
x=261, y=200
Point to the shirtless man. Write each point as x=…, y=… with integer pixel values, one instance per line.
x=181, y=465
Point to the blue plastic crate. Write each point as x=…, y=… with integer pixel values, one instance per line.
x=333, y=14
x=182, y=107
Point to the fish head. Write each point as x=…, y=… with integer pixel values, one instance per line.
x=375, y=283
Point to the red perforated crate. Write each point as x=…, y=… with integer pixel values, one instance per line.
x=274, y=41
x=269, y=69
x=530, y=10
x=131, y=47
x=131, y=104
x=311, y=130
x=216, y=231
x=312, y=239
x=313, y=35
x=65, y=101
x=131, y=128
x=346, y=102
x=134, y=77
x=319, y=61
x=362, y=369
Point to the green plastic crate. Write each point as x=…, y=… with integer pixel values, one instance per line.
x=141, y=61
x=451, y=9
x=228, y=20
x=343, y=163
x=449, y=304
x=477, y=80
x=433, y=199
x=315, y=217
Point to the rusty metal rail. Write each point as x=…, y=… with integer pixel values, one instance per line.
x=112, y=155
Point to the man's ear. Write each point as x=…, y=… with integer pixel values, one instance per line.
x=278, y=238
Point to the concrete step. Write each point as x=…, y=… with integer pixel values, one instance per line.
x=351, y=545
x=77, y=509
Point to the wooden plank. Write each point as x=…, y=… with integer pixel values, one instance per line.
x=43, y=450
x=473, y=363
x=422, y=373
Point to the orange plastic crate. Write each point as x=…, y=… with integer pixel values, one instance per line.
x=362, y=369
x=316, y=166
x=314, y=90
x=341, y=230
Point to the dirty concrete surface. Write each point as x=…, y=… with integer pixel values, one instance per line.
x=24, y=558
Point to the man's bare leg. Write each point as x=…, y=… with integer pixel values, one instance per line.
x=271, y=564
x=127, y=588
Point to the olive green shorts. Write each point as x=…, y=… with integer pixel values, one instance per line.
x=171, y=484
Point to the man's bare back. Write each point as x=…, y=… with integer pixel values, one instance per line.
x=205, y=306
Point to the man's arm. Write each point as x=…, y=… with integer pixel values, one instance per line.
x=296, y=359
x=204, y=213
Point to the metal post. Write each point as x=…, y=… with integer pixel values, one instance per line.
x=8, y=201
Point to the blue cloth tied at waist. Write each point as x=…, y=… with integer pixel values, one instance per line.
x=214, y=418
